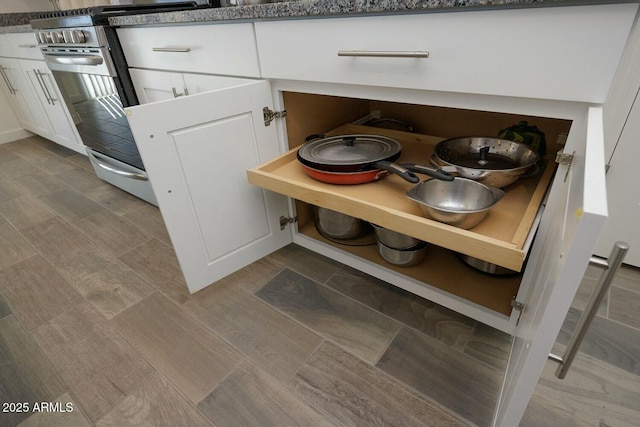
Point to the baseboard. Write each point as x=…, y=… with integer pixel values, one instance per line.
x=14, y=135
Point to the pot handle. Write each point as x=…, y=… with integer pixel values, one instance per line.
x=313, y=137
x=435, y=173
x=406, y=174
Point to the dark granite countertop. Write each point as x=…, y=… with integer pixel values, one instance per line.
x=18, y=22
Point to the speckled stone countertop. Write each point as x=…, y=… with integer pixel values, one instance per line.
x=319, y=8
x=19, y=22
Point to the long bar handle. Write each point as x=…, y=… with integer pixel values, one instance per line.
x=385, y=53
x=28, y=46
x=7, y=81
x=41, y=83
x=611, y=265
x=171, y=49
x=46, y=88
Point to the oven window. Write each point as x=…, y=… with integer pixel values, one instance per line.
x=98, y=114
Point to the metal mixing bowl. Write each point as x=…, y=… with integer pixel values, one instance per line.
x=462, y=202
x=393, y=239
x=403, y=257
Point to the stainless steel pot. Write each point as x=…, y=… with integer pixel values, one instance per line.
x=403, y=257
x=485, y=266
x=491, y=161
x=393, y=239
x=338, y=226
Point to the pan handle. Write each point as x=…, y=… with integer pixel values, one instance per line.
x=435, y=173
x=406, y=174
x=313, y=137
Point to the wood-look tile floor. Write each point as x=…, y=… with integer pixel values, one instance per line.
x=95, y=317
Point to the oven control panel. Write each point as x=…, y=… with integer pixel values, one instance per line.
x=84, y=36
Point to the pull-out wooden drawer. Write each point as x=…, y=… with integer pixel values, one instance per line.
x=501, y=238
x=566, y=53
x=228, y=49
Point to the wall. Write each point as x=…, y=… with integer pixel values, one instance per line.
x=14, y=6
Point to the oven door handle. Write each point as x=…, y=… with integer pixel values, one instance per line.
x=112, y=169
x=74, y=60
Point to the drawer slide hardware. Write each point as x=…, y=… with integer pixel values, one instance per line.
x=565, y=159
x=286, y=220
x=610, y=266
x=518, y=306
x=270, y=115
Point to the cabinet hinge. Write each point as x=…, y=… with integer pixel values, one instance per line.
x=269, y=115
x=518, y=306
x=286, y=220
x=565, y=159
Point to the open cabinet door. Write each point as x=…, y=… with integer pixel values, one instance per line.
x=567, y=236
x=196, y=150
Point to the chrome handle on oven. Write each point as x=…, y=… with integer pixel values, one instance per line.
x=74, y=60
x=41, y=83
x=611, y=266
x=5, y=77
x=171, y=49
x=112, y=169
x=385, y=53
x=28, y=46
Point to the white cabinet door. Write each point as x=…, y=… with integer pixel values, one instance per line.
x=9, y=78
x=624, y=195
x=153, y=86
x=31, y=112
x=63, y=131
x=196, y=150
x=571, y=223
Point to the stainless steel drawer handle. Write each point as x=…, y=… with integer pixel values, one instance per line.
x=28, y=46
x=12, y=90
x=171, y=49
x=611, y=266
x=41, y=83
x=385, y=53
x=176, y=94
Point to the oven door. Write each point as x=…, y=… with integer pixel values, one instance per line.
x=93, y=93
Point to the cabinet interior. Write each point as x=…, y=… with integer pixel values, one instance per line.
x=502, y=238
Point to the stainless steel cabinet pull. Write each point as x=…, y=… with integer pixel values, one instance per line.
x=171, y=49
x=41, y=83
x=28, y=46
x=385, y=53
x=611, y=266
x=5, y=77
x=46, y=88
x=176, y=94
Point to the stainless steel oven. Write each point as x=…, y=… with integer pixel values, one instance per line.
x=84, y=55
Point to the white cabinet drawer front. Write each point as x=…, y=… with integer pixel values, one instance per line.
x=567, y=53
x=24, y=45
x=214, y=49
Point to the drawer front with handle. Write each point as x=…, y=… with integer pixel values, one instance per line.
x=567, y=53
x=21, y=45
x=228, y=49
